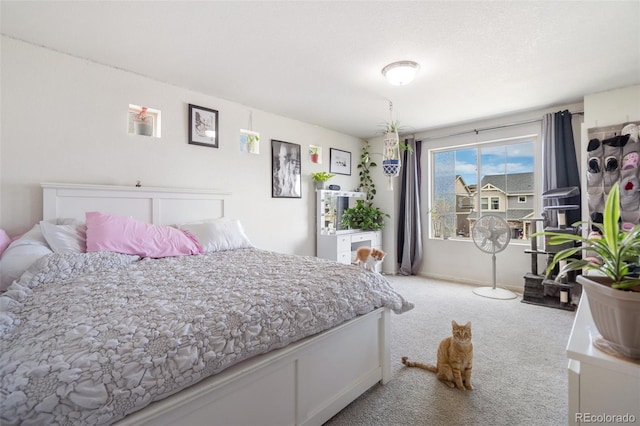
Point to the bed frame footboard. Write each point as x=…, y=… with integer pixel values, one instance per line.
x=306, y=383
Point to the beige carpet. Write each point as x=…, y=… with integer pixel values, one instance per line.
x=520, y=363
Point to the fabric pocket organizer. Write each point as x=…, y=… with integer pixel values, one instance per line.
x=596, y=201
x=594, y=166
x=630, y=201
x=630, y=157
x=611, y=160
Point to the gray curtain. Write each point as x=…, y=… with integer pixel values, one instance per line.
x=559, y=162
x=409, y=218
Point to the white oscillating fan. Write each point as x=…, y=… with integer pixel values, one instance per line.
x=491, y=234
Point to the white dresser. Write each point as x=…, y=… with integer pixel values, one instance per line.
x=341, y=247
x=603, y=389
x=340, y=244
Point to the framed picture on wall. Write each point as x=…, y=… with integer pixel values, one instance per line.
x=340, y=162
x=203, y=126
x=286, y=174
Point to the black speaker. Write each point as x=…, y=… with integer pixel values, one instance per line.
x=334, y=187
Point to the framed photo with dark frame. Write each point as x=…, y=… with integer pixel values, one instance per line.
x=340, y=162
x=286, y=173
x=203, y=126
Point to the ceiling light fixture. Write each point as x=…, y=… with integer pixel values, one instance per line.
x=401, y=72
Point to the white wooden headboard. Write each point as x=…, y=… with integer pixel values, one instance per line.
x=160, y=206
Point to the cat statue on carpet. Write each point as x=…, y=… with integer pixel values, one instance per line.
x=369, y=257
x=455, y=358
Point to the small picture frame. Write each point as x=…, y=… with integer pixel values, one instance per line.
x=340, y=162
x=286, y=173
x=203, y=126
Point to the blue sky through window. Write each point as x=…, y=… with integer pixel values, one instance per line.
x=502, y=159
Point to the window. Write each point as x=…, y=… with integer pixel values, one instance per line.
x=495, y=203
x=491, y=177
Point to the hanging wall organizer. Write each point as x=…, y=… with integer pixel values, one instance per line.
x=613, y=156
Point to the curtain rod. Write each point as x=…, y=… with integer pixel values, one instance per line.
x=484, y=129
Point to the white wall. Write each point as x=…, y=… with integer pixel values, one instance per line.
x=64, y=119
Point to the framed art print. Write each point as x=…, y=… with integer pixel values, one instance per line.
x=286, y=181
x=203, y=126
x=340, y=162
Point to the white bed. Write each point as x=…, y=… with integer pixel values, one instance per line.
x=304, y=383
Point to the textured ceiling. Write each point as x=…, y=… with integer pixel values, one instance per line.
x=320, y=62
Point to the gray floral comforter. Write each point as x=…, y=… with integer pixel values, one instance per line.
x=89, y=338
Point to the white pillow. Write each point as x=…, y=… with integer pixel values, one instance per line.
x=218, y=235
x=65, y=238
x=20, y=254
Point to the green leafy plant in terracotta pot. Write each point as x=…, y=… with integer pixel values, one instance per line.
x=364, y=216
x=314, y=154
x=320, y=178
x=613, y=291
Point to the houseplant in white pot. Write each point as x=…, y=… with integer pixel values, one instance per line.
x=612, y=290
x=320, y=178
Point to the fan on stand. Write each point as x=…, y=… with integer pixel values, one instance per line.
x=491, y=234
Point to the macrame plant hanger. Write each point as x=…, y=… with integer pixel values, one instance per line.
x=251, y=138
x=391, y=154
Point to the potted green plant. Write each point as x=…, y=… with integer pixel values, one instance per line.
x=320, y=178
x=364, y=172
x=364, y=217
x=612, y=291
x=314, y=154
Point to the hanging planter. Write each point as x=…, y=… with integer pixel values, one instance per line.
x=391, y=154
x=391, y=167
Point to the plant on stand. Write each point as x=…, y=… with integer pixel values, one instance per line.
x=364, y=217
x=613, y=287
x=320, y=178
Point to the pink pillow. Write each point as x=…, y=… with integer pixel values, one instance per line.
x=120, y=234
x=4, y=241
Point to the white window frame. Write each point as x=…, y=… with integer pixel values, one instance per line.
x=484, y=204
x=497, y=201
x=500, y=137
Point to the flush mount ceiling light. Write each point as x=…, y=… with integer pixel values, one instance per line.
x=401, y=72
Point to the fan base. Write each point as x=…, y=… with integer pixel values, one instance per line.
x=495, y=293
